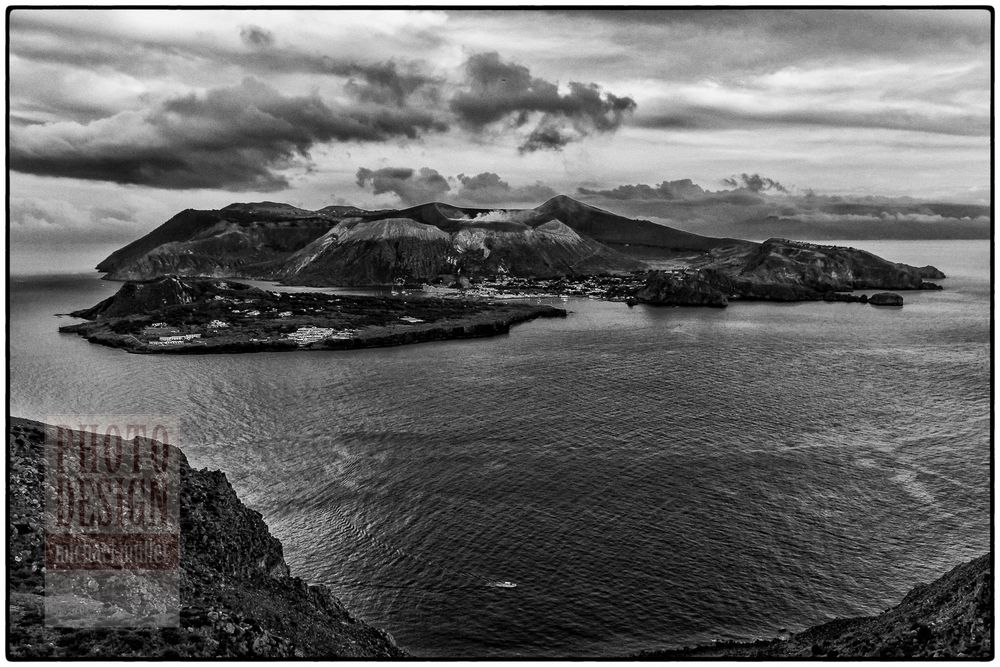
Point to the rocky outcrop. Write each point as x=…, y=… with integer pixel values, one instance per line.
x=687, y=288
x=237, y=597
x=813, y=267
x=783, y=270
x=949, y=618
x=885, y=299
x=148, y=296
x=930, y=272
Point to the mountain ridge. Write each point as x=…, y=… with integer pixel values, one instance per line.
x=438, y=243
x=269, y=240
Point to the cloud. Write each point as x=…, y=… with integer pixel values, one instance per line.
x=389, y=82
x=684, y=192
x=669, y=190
x=49, y=220
x=499, y=91
x=489, y=188
x=681, y=115
x=754, y=183
x=411, y=187
x=749, y=212
x=82, y=45
x=234, y=138
x=256, y=37
x=727, y=42
x=854, y=93
x=547, y=136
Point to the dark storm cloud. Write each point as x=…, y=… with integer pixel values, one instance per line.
x=230, y=138
x=504, y=91
x=389, y=82
x=256, y=37
x=489, y=188
x=547, y=136
x=689, y=117
x=754, y=183
x=412, y=187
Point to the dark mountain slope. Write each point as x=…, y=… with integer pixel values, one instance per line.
x=623, y=233
x=372, y=253
x=344, y=245
x=949, y=618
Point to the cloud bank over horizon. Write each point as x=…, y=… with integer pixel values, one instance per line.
x=179, y=109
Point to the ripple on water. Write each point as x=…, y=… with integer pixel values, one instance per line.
x=648, y=477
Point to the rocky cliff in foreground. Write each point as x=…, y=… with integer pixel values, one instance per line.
x=237, y=598
x=949, y=618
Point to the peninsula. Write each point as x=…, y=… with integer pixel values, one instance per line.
x=201, y=316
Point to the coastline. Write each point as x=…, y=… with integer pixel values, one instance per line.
x=237, y=598
x=483, y=326
x=951, y=617
x=202, y=316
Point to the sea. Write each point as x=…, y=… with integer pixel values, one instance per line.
x=648, y=477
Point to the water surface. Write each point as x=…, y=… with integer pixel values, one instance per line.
x=648, y=477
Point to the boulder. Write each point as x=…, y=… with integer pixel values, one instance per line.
x=885, y=299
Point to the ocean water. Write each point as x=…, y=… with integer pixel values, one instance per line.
x=648, y=477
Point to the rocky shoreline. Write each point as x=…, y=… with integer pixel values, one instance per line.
x=784, y=270
x=951, y=617
x=205, y=316
x=237, y=599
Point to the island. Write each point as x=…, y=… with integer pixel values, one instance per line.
x=562, y=246
x=172, y=315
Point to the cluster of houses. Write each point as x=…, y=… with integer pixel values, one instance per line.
x=610, y=287
x=307, y=335
x=178, y=339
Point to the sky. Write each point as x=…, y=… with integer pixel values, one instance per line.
x=119, y=119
